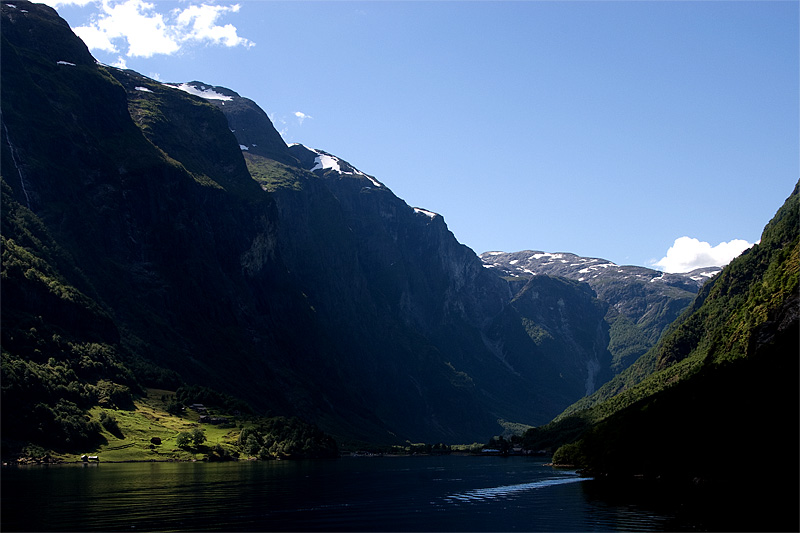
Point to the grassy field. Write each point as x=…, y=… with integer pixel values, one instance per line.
x=150, y=433
x=150, y=419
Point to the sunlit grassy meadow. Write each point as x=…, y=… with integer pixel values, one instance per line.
x=138, y=428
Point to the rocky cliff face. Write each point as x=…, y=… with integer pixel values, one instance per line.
x=407, y=268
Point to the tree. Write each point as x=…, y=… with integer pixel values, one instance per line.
x=570, y=454
x=184, y=439
x=252, y=445
x=174, y=407
x=499, y=443
x=198, y=437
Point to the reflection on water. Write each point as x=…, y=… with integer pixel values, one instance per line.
x=350, y=494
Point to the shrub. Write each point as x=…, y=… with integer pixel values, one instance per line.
x=570, y=454
x=174, y=407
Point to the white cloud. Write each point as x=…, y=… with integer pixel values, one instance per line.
x=688, y=253
x=95, y=38
x=301, y=116
x=59, y=3
x=147, y=32
x=134, y=21
x=199, y=23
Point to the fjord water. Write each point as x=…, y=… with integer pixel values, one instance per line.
x=448, y=493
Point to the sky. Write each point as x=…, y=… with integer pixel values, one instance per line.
x=661, y=134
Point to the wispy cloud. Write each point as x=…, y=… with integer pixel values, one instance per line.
x=688, y=253
x=146, y=31
x=301, y=116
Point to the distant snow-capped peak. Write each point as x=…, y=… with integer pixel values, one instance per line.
x=589, y=269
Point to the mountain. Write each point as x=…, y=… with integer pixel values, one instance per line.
x=425, y=281
x=253, y=129
x=112, y=265
x=159, y=235
x=642, y=302
x=439, y=288
x=715, y=403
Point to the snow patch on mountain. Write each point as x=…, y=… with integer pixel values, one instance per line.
x=326, y=161
x=202, y=91
x=546, y=254
x=425, y=212
x=702, y=276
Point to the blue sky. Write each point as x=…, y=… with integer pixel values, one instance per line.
x=620, y=130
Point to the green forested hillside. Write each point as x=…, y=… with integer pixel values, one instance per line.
x=748, y=307
x=727, y=312
x=723, y=379
x=716, y=401
x=53, y=370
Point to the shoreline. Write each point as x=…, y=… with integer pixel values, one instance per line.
x=57, y=462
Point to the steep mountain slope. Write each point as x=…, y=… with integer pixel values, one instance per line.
x=61, y=350
x=743, y=296
x=178, y=254
x=250, y=123
x=176, y=239
x=724, y=381
x=642, y=302
x=418, y=271
x=406, y=265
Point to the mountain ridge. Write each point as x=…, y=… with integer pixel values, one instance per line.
x=534, y=262
x=642, y=302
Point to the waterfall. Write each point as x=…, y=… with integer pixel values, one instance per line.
x=15, y=158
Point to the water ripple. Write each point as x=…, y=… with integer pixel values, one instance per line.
x=507, y=490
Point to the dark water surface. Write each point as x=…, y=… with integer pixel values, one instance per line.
x=449, y=493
